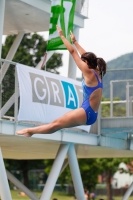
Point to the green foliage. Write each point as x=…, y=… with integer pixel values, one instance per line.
x=119, y=109
x=88, y=168
x=32, y=48
x=108, y=164
x=56, y=60
x=64, y=178
x=105, y=108
x=89, y=172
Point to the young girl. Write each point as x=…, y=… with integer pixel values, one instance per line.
x=93, y=70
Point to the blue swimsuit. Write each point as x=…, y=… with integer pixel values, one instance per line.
x=87, y=91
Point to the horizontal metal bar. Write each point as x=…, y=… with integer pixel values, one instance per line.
x=108, y=102
x=112, y=70
x=8, y=61
x=127, y=80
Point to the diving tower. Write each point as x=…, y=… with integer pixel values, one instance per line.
x=109, y=137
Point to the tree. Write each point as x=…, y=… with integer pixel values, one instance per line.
x=64, y=178
x=89, y=173
x=24, y=166
x=107, y=167
x=30, y=52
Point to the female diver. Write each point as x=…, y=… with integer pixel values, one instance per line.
x=93, y=70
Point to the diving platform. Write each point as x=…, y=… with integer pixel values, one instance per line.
x=112, y=142
x=112, y=136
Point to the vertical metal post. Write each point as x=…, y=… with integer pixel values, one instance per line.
x=78, y=6
x=111, y=99
x=127, y=99
x=64, y=166
x=16, y=100
x=130, y=105
x=75, y=172
x=2, y=11
x=128, y=192
x=99, y=120
x=4, y=186
x=72, y=68
x=51, y=181
x=0, y=95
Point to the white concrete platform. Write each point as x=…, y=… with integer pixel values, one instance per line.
x=31, y=16
x=41, y=146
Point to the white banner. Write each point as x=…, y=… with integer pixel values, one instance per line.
x=46, y=96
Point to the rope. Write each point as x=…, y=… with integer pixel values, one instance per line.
x=44, y=60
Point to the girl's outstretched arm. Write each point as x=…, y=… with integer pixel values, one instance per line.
x=81, y=65
x=68, y=45
x=74, y=41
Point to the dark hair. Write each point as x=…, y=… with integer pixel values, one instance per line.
x=86, y=191
x=93, y=62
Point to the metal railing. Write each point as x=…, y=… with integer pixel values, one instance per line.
x=119, y=93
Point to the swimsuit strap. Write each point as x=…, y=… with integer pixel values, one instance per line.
x=96, y=75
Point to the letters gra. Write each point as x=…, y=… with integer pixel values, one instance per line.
x=55, y=92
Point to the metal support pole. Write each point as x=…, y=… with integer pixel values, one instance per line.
x=78, y=6
x=0, y=96
x=111, y=99
x=8, y=104
x=128, y=192
x=16, y=96
x=51, y=181
x=13, y=98
x=130, y=106
x=99, y=121
x=75, y=172
x=127, y=99
x=2, y=11
x=4, y=186
x=19, y=185
x=64, y=166
x=11, y=53
x=72, y=68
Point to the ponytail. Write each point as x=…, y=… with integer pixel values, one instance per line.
x=101, y=66
x=94, y=62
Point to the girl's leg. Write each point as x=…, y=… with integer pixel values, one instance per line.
x=73, y=118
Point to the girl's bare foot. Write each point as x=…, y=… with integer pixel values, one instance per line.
x=24, y=132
